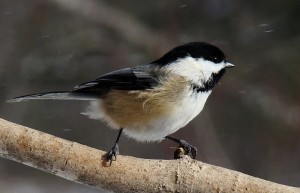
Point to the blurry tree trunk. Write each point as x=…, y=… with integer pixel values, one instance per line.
x=121, y=22
x=83, y=165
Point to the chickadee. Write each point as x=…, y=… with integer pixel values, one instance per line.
x=151, y=101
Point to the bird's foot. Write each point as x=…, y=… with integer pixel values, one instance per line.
x=111, y=155
x=185, y=148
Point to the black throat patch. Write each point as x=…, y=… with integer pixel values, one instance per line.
x=208, y=85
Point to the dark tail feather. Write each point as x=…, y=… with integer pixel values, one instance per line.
x=56, y=96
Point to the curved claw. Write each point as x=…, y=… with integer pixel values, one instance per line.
x=188, y=149
x=112, y=154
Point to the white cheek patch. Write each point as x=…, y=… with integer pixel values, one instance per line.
x=195, y=69
x=187, y=67
x=211, y=66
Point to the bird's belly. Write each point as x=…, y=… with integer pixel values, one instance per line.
x=149, y=119
x=180, y=116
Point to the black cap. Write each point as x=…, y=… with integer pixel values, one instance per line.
x=193, y=49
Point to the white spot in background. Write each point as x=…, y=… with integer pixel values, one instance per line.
x=45, y=36
x=266, y=27
x=269, y=31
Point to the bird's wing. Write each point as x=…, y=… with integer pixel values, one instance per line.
x=124, y=79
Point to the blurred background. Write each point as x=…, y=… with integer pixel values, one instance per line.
x=251, y=122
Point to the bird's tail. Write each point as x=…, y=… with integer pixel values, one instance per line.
x=55, y=96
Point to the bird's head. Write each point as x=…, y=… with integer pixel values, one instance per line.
x=201, y=63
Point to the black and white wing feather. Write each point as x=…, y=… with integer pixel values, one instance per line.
x=125, y=79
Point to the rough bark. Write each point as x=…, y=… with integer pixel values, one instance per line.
x=83, y=164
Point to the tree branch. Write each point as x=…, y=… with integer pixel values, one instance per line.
x=83, y=165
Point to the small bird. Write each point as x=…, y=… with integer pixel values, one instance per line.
x=151, y=101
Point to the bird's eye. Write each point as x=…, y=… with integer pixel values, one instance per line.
x=215, y=59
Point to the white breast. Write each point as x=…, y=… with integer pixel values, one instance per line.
x=188, y=109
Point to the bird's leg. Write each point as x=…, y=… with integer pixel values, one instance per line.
x=184, y=148
x=112, y=154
